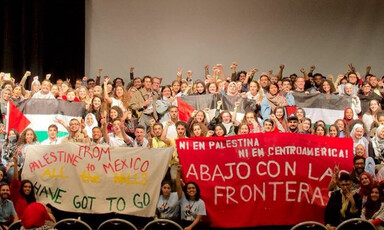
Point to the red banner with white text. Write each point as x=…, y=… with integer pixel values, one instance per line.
x=264, y=179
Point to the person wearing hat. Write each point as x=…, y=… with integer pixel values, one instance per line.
x=293, y=123
x=36, y=217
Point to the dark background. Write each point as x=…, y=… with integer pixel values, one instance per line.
x=42, y=36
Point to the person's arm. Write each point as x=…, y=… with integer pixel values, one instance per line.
x=86, y=137
x=277, y=122
x=15, y=167
x=311, y=69
x=189, y=75
x=194, y=223
x=84, y=81
x=302, y=70
x=163, y=136
x=206, y=71
x=165, y=130
x=24, y=79
x=104, y=130
x=61, y=122
x=233, y=71
x=126, y=138
x=107, y=98
x=338, y=79
x=218, y=107
x=280, y=73
x=249, y=74
x=131, y=73
x=333, y=183
x=237, y=104
x=98, y=77
x=179, y=74
x=222, y=74
x=179, y=190
x=359, y=78
x=151, y=123
x=353, y=209
x=208, y=111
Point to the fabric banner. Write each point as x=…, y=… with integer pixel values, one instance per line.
x=320, y=107
x=264, y=179
x=97, y=179
x=188, y=104
x=43, y=112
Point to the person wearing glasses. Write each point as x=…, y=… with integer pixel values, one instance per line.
x=343, y=204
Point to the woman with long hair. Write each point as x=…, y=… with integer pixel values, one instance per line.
x=192, y=207
x=83, y=96
x=198, y=130
x=169, y=202
x=366, y=183
x=320, y=130
x=96, y=107
x=370, y=116
x=197, y=116
x=120, y=96
x=273, y=98
x=22, y=192
x=333, y=131
x=343, y=128
x=373, y=210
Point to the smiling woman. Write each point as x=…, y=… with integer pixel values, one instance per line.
x=22, y=192
x=192, y=207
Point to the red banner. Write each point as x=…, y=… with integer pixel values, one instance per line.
x=264, y=179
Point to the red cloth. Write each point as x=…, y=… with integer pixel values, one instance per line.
x=64, y=98
x=18, y=200
x=35, y=215
x=376, y=221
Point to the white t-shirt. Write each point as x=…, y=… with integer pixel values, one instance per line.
x=168, y=208
x=39, y=95
x=171, y=133
x=50, y=142
x=116, y=141
x=190, y=209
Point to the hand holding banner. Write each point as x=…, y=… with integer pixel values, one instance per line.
x=97, y=179
x=264, y=179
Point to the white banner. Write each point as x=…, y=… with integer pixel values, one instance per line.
x=97, y=179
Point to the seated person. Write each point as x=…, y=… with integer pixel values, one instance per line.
x=7, y=211
x=343, y=204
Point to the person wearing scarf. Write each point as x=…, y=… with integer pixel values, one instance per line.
x=273, y=98
x=357, y=135
x=348, y=115
x=232, y=89
x=90, y=123
x=376, y=145
x=366, y=183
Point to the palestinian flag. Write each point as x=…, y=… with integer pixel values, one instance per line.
x=191, y=103
x=320, y=107
x=38, y=114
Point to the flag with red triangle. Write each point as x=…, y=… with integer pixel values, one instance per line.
x=16, y=119
x=39, y=114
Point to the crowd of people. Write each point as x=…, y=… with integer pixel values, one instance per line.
x=144, y=113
